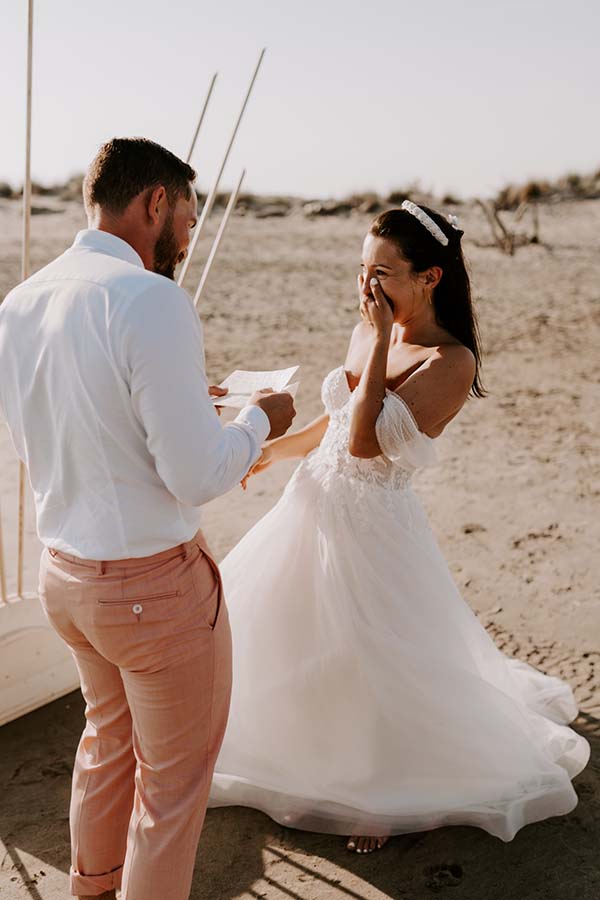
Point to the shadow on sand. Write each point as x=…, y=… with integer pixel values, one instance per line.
x=243, y=854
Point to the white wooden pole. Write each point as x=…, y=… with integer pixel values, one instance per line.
x=3, y=592
x=208, y=205
x=25, y=262
x=218, y=237
x=201, y=119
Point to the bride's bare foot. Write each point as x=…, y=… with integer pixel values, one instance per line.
x=365, y=844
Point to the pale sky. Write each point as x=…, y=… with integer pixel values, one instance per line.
x=461, y=96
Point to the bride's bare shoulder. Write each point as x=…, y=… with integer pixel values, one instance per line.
x=455, y=358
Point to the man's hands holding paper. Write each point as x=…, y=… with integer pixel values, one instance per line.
x=273, y=392
x=279, y=408
x=242, y=384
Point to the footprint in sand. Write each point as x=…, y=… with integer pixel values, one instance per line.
x=443, y=876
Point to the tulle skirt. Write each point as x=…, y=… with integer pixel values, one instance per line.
x=368, y=698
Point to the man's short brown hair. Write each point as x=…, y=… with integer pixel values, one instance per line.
x=124, y=167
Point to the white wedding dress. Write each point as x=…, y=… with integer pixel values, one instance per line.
x=368, y=699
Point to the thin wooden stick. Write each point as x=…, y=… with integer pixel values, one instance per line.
x=21, y=544
x=3, y=591
x=218, y=236
x=27, y=182
x=201, y=119
x=208, y=205
x=521, y=210
x=25, y=274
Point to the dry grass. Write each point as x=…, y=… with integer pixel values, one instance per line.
x=572, y=186
x=569, y=187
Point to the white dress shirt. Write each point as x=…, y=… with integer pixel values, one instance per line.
x=103, y=388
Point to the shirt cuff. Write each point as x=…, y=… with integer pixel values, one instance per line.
x=258, y=421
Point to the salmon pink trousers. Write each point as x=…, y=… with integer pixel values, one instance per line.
x=152, y=644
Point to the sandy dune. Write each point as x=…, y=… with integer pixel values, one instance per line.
x=514, y=505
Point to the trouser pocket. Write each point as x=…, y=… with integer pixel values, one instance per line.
x=208, y=588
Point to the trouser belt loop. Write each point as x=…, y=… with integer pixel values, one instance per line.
x=100, y=567
x=187, y=548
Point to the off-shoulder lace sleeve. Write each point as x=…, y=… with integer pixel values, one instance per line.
x=399, y=437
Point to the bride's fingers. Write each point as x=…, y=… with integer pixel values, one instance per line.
x=376, y=291
x=379, y=297
x=360, y=281
x=252, y=471
x=366, y=309
x=259, y=466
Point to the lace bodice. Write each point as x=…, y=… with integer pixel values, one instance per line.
x=405, y=448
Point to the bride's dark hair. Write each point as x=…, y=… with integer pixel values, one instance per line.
x=452, y=296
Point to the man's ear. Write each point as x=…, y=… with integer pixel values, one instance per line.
x=158, y=205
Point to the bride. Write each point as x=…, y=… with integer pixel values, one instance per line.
x=368, y=700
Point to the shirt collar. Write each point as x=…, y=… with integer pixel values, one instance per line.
x=110, y=244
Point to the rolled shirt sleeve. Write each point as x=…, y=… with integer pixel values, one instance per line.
x=196, y=457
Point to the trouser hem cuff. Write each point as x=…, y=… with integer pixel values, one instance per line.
x=93, y=885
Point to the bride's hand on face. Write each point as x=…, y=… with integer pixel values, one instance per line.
x=375, y=309
x=266, y=459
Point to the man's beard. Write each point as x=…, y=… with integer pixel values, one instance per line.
x=166, y=251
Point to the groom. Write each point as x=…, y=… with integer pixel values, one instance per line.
x=103, y=387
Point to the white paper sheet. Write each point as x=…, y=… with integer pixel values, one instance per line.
x=242, y=384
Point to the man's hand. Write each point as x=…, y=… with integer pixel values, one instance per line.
x=216, y=391
x=278, y=407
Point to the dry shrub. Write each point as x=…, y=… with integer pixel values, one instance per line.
x=249, y=201
x=398, y=196
x=72, y=189
x=221, y=199
x=315, y=208
x=570, y=187
x=272, y=211
x=574, y=182
x=270, y=206
x=507, y=231
x=44, y=190
x=367, y=202
x=451, y=200
x=413, y=192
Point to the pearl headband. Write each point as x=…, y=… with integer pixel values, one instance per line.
x=428, y=222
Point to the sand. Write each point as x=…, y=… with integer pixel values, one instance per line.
x=514, y=505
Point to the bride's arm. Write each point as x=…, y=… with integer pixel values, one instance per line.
x=299, y=444
x=368, y=401
x=290, y=446
x=370, y=392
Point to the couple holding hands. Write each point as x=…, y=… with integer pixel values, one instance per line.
x=367, y=700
